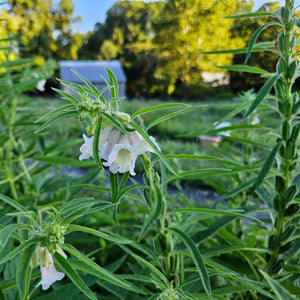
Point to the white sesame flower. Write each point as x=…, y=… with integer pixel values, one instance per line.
x=48, y=270
x=41, y=85
x=113, y=139
x=87, y=148
x=121, y=155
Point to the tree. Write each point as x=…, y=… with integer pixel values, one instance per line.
x=185, y=29
x=44, y=29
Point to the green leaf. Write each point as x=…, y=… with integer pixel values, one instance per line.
x=89, y=266
x=93, y=89
x=73, y=275
x=113, y=238
x=77, y=212
x=244, y=68
x=6, y=231
x=113, y=83
x=24, y=272
x=113, y=177
x=20, y=248
x=244, y=280
x=225, y=128
x=205, y=210
x=54, y=111
x=171, y=115
x=96, y=143
x=67, y=96
x=279, y=290
x=264, y=46
x=266, y=167
x=63, y=160
x=115, y=122
x=147, y=264
x=157, y=107
x=64, y=115
x=197, y=258
x=13, y=203
x=253, y=14
x=256, y=34
x=265, y=89
x=154, y=213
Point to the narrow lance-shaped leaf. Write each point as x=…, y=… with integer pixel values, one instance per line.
x=93, y=89
x=24, y=272
x=114, y=122
x=154, y=214
x=73, y=275
x=197, y=258
x=157, y=107
x=265, y=89
x=113, y=238
x=64, y=115
x=113, y=83
x=266, y=167
x=87, y=265
x=255, y=35
x=251, y=15
x=20, y=248
x=13, y=203
x=244, y=68
x=264, y=46
x=279, y=290
x=96, y=143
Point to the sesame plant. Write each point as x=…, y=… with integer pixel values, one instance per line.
x=134, y=238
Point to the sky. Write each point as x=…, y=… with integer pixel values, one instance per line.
x=93, y=11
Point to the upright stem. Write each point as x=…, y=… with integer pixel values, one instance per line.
x=288, y=104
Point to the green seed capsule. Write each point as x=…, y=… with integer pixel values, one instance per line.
x=148, y=196
x=280, y=89
x=288, y=107
x=291, y=149
x=285, y=130
x=288, y=232
x=296, y=107
x=279, y=183
x=277, y=203
x=272, y=242
x=291, y=210
x=293, y=68
x=295, y=132
x=290, y=193
x=281, y=66
x=282, y=150
x=277, y=266
x=281, y=42
x=286, y=247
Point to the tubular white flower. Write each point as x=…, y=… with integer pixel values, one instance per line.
x=121, y=155
x=106, y=148
x=87, y=148
x=48, y=270
x=122, y=159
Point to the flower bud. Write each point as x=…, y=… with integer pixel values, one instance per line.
x=296, y=107
x=122, y=117
x=43, y=256
x=34, y=262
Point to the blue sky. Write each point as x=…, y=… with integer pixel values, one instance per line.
x=93, y=11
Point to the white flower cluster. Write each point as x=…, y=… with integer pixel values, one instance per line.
x=119, y=151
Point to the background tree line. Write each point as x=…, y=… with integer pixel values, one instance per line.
x=160, y=43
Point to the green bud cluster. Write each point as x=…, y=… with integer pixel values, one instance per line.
x=54, y=236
